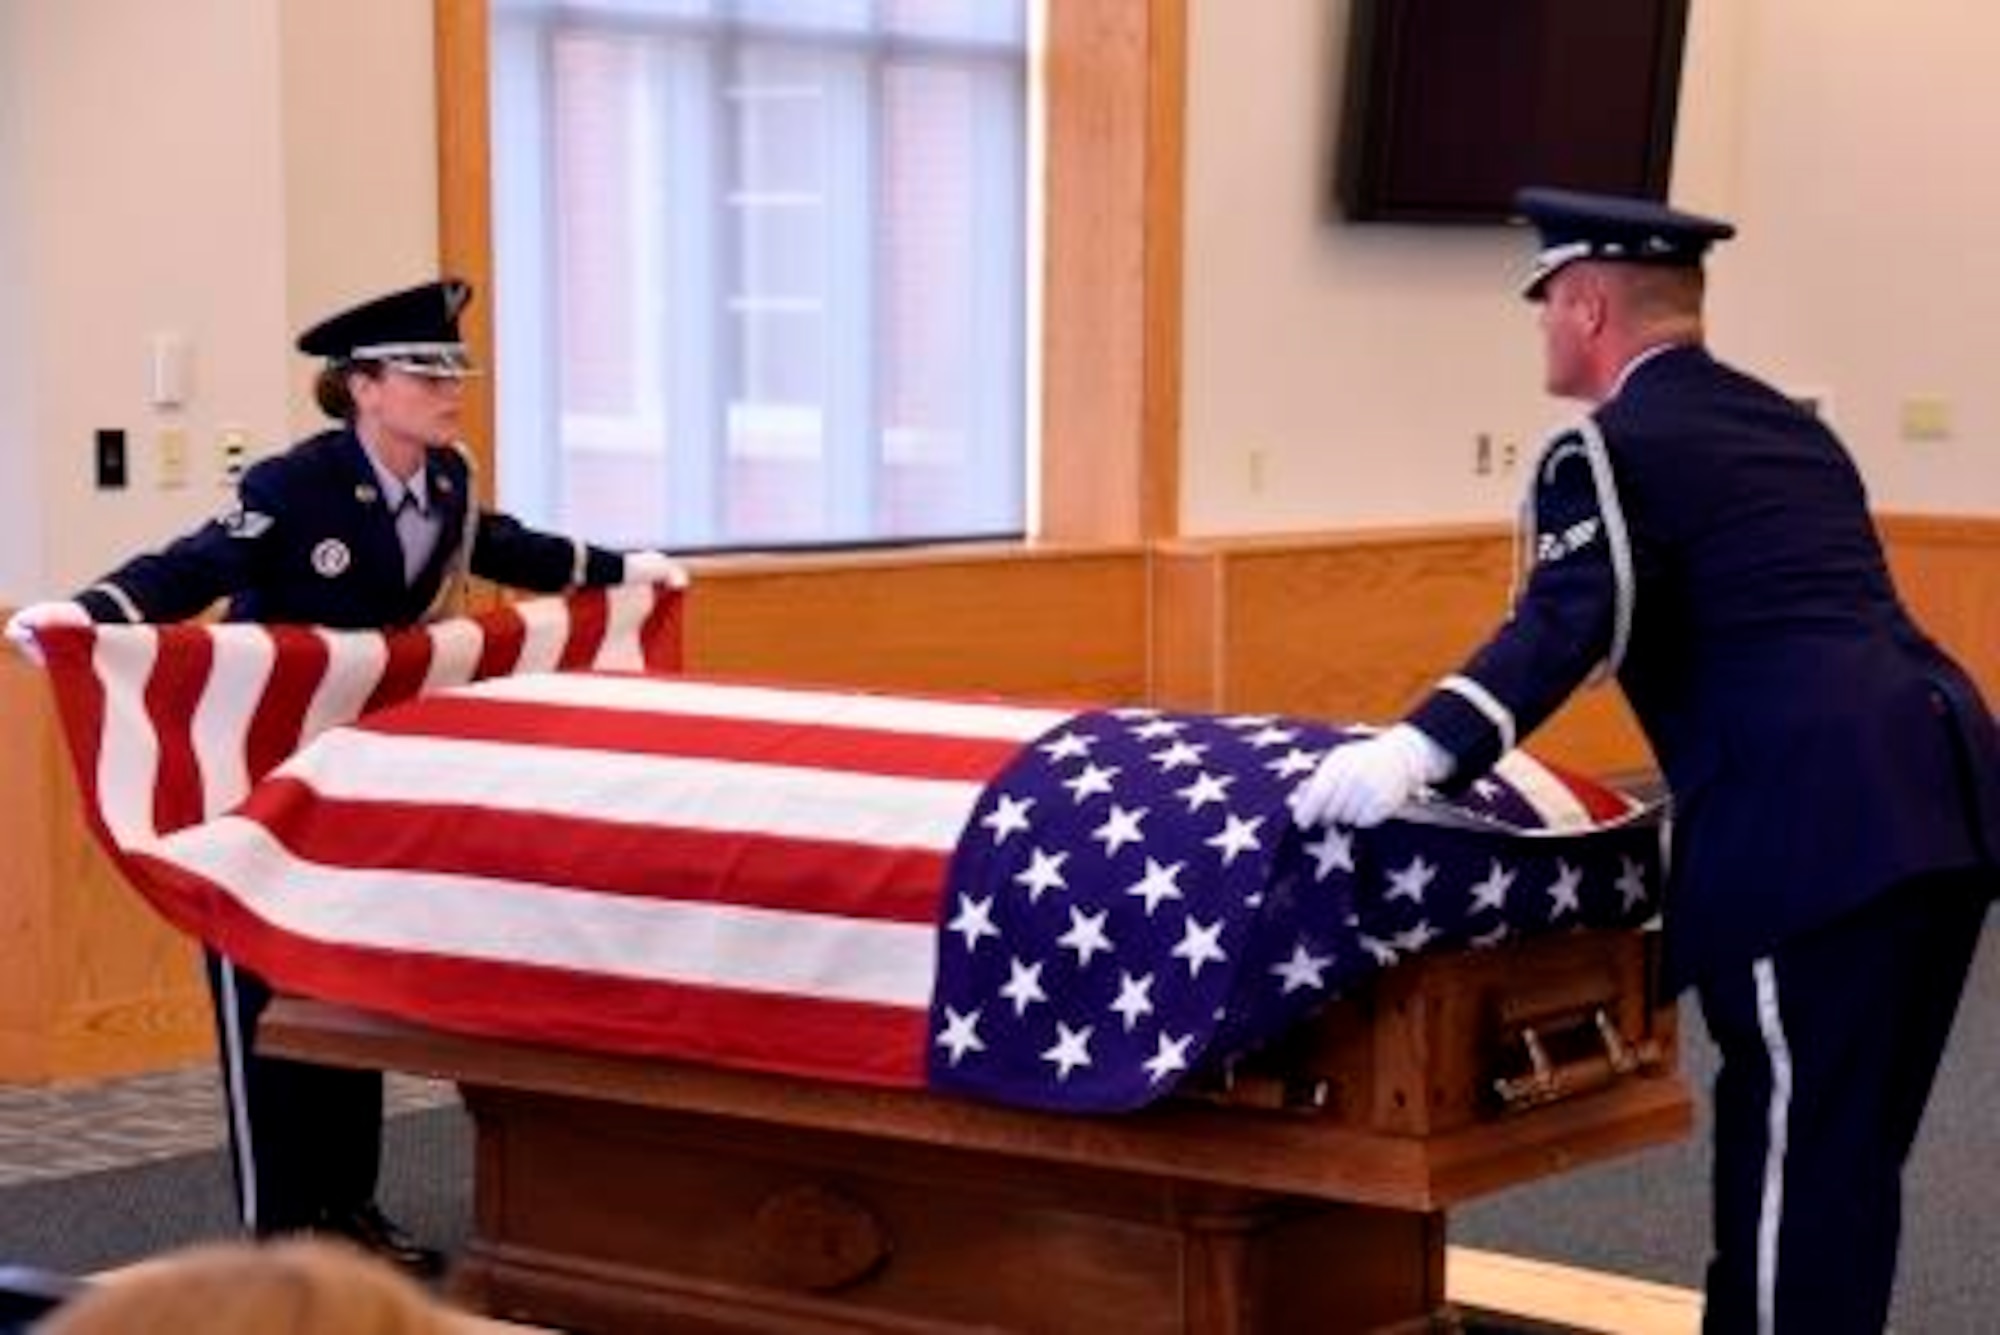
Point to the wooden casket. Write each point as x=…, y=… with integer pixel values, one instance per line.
x=1304, y=1192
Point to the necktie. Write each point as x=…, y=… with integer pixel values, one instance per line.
x=416, y=531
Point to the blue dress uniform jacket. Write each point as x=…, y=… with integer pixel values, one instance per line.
x=312, y=542
x=1709, y=541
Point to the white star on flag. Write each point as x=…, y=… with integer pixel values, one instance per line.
x=1043, y=872
x=1009, y=816
x=1205, y=789
x=1333, y=852
x=1411, y=882
x=1120, y=828
x=1563, y=894
x=1071, y=1050
x=1023, y=986
x=1178, y=756
x=1294, y=761
x=1085, y=935
x=1159, y=883
x=1068, y=746
x=1416, y=938
x=1135, y=998
x=974, y=920
x=1200, y=945
x=1091, y=780
x=1171, y=1057
x=1303, y=969
x=1237, y=836
x=961, y=1035
x=1381, y=951
x=1632, y=883
x=1491, y=893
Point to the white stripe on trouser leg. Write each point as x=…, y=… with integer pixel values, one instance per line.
x=235, y=1054
x=1777, y=1117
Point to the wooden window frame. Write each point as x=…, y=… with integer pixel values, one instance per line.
x=1111, y=306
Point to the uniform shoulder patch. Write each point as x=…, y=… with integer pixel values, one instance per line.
x=239, y=522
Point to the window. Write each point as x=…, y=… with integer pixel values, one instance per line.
x=760, y=268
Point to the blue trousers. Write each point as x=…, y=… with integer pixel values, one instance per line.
x=1829, y=1048
x=305, y=1140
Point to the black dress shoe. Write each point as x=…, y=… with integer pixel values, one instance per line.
x=372, y=1231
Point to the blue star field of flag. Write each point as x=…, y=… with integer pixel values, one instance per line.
x=1131, y=902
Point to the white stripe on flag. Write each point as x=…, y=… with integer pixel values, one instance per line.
x=834, y=709
x=720, y=945
x=1548, y=795
x=629, y=606
x=548, y=631
x=355, y=660
x=455, y=650
x=128, y=759
x=702, y=794
x=242, y=664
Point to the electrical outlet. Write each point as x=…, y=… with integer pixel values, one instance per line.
x=171, y=451
x=1925, y=417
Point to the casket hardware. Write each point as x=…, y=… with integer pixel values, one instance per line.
x=1608, y=1057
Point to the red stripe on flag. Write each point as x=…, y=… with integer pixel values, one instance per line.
x=588, y=620
x=609, y=857
x=79, y=696
x=695, y=736
x=1599, y=802
x=504, y=634
x=660, y=635
x=300, y=665
x=173, y=691
x=403, y=675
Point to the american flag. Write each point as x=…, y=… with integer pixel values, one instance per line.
x=1044, y=906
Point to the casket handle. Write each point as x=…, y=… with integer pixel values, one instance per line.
x=1616, y=1050
x=1545, y=1081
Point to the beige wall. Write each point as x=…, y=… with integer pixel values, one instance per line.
x=258, y=163
x=146, y=165
x=1871, y=185
x=274, y=157
x=20, y=465
x=1338, y=373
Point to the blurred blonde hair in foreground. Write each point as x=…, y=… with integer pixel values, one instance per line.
x=299, y=1286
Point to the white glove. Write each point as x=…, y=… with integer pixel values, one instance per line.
x=22, y=626
x=654, y=568
x=1364, y=783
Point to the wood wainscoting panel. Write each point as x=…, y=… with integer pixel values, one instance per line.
x=1032, y=622
x=1948, y=570
x=92, y=982
x=1353, y=627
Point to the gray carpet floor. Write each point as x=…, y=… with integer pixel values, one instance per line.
x=1644, y=1215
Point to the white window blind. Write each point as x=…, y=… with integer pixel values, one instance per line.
x=760, y=268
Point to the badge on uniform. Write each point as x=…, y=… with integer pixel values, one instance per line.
x=331, y=557
x=366, y=494
x=242, y=523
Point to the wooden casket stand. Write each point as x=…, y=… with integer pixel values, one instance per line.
x=616, y=1194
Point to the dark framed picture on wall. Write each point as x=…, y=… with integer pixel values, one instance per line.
x=1452, y=105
